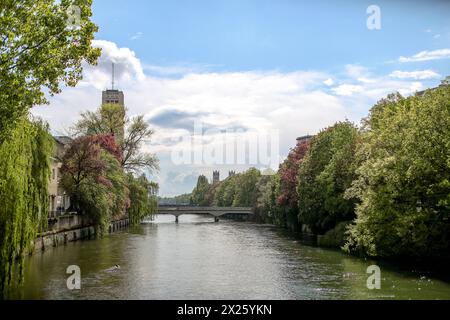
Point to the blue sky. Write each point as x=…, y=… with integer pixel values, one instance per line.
x=285, y=66
x=286, y=35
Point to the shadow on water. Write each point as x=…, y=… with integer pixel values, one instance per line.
x=423, y=269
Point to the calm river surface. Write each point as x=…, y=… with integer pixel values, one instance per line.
x=200, y=259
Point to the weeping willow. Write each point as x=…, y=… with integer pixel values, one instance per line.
x=24, y=175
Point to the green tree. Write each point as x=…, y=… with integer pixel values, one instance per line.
x=403, y=180
x=95, y=203
x=108, y=119
x=226, y=191
x=39, y=52
x=126, y=193
x=94, y=179
x=199, y=194
x=184, y=199
x=210, y=196
x=246, y=188
x=267, y=206
x=24, y=176
x=288, y=197
x=130, y=134
x=325, y=174
x=117, y=183
x=82, y=165
x=143, y=200
x=288, y=172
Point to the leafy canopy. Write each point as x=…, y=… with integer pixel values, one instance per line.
x=130, y=135
x=40, y=52
x=403, y=182
x=24, y=178
x=324, y=175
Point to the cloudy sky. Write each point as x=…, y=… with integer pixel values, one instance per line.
x=283, y=68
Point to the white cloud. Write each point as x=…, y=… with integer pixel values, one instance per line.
x=329, y=82
x=359, y=73
x=347, y=89
x=366, y=80
x=417, y=75
x=128, y=68
x=364, y=90
x=414, y=87
x=356, y=71
x=427, y=56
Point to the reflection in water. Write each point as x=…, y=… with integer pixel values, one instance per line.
x=200, y=259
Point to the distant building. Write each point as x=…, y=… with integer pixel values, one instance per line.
x=112, y=96
x=116, y=97
x=304, y=139
x=231, y=173
x=59, y=200
x=216, y=177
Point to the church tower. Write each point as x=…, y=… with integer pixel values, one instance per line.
x=216, y=177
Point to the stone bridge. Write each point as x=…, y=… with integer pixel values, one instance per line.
x=216, y=212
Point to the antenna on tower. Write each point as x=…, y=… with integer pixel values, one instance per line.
x=113, y=76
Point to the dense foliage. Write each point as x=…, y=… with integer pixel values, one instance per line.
x=98, y=168
x=40, y=51
x=108, y=119
x=236, y=191
x=93, y=177
x=130, y=134
x=268, y=208
x=245, y=193
x=226, y=192
x=287, y=213
x=143, y=200
x=183, y=199
x=403, y=180
x=289, y=175
x=324, y=175
x=381, y=190
x=24, y=177
x=199, y=194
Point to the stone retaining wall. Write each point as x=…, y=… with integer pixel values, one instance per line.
x=62, y=237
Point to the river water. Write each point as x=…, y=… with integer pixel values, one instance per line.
x=200, y=259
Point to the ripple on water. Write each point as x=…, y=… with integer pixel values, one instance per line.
x=200, y=259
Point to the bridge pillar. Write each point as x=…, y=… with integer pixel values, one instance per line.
x=216, y=219
x=176, y=219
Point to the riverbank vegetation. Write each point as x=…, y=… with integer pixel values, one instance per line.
x=42, y=52
x=183, y=199
x=403, y=178
x=143, y=201
x=101, y=168
x=39, y=55
x=380, y=190
x=24, y=176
